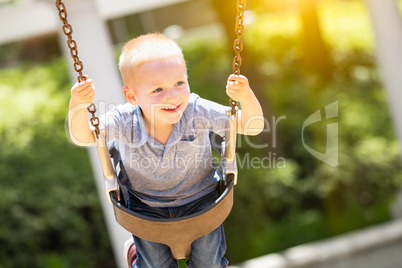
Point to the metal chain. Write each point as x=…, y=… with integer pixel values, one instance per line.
x=94, y=119
x=72, y=45
x=78, y=66
x=238, y=43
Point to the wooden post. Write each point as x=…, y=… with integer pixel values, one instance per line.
x=96, y=52
x=387, y=25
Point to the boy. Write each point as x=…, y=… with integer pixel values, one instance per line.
x=162, y=135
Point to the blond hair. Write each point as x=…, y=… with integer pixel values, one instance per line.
x=146, y=48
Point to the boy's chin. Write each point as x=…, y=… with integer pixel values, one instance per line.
x=173, y=120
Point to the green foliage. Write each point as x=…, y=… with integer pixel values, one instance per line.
x=286, y=196
x=293, y=198
x=277, y=207
x=50, y=208
x=209, y=66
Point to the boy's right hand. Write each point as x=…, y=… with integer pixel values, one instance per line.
x=82, y=92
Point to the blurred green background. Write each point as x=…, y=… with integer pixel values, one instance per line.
x=51, y=215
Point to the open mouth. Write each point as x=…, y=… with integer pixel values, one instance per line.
x=172, y=109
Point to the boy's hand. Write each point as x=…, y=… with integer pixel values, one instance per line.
x=250, y=117
x=238, y=87
x=82, y=92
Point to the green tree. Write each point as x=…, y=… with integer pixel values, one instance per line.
x=316, y=53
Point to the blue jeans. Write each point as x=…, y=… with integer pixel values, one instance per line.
x=206, y=252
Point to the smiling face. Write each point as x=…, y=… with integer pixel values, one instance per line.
x=161, y=89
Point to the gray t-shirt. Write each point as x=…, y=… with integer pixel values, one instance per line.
x=174, y=174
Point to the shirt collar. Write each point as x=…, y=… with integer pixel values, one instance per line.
x=183, y=128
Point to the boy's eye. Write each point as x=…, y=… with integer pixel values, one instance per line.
x=158, y=90
x=180, y=83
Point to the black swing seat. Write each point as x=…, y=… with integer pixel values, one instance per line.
x=177, y=233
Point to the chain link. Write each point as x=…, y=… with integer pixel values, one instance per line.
x=94, y=120
x=78, y=66
x=238, y=43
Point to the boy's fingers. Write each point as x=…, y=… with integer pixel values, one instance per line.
x=240, y=78
x=83, y=91
x=86, y=82
x=235, y=85
x=90, y=95
x=84, y=85
x=230, y=92
x=87, y=90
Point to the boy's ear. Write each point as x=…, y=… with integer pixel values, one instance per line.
x=129, y=95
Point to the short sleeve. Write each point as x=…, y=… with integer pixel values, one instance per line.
x=119, y=124
x=111, y=120
x=210, y=116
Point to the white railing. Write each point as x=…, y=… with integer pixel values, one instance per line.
x=366, y=246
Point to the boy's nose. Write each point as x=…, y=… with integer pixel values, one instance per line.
x=173, y=95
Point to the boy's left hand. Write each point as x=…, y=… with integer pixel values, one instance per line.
x=238, y=87
x=250, y=117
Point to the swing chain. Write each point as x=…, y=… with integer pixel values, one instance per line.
x=238, y=44
x=94, y=120
x=78, y=66
x=72, y=45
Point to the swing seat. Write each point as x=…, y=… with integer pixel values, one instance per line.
x=177, y=233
